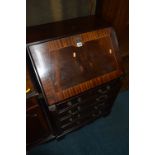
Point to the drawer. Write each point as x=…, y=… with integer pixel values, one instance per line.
x=76, y=123
x=74, y=116
x=83, y=119
x=82, y=101
x=93, y=111
x=86, y=107
x=99, y=93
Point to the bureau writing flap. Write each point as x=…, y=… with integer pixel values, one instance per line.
x=67, y=67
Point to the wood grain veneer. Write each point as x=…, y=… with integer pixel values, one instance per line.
x=97, y=62
x=63, y=28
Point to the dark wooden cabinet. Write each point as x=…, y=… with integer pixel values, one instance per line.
x=66, y=70
x=85, y=107
x=78, y=74
x=37, y=127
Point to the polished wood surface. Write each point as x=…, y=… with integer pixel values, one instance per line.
x=79, y=84
x=79, y=110
x=116, y=13
x=29, y=80
x=36, y=126
x=63, y=28
x=31, y=103
x=66, y=70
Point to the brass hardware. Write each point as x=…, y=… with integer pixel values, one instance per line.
x=28, y=90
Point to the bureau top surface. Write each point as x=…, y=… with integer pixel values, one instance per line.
x=63, y=28
x=72, y=65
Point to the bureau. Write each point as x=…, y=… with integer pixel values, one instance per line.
x=76, y=73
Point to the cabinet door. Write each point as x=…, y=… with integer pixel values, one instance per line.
x=36, y=125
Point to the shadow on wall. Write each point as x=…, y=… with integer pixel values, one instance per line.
x=46, y=11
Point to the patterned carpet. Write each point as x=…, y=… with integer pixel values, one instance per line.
x=105, y=136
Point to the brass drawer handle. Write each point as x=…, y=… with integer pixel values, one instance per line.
x=70, y=119
x=78, y=108
x=102, y=98
x=79, y=116
x=108, y=87
x=95, y=107
x=72, y=113
x=69, y=103
x=79, y=99
x=102, y=91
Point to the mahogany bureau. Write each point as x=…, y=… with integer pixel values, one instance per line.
x=76, y=74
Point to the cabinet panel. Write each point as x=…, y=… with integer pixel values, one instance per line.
x=29, y=80
x=36, y=124
x=72, y=65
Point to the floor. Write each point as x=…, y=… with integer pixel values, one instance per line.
x=105, y=136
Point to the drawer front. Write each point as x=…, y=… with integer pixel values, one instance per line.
x=98, y=94
x=86, y=107
x=36, y=126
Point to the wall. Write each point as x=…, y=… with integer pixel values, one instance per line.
x=116, y=12
x=46, y=11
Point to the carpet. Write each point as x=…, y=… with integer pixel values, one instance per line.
x=105, y=136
